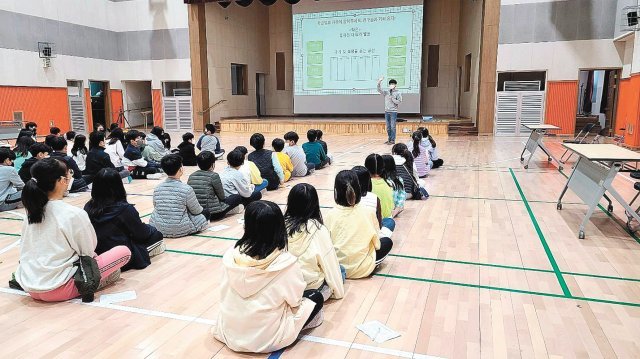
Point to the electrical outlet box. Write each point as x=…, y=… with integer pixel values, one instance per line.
x=406, y=130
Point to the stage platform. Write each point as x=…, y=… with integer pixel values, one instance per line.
x=334, y=126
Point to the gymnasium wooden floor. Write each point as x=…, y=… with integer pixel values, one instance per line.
x=487, y=267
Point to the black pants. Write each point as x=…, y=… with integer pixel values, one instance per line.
x=385, y=247
x=317, y=298
x=142, y=172
x=234, y=201
x=321, y=165
x=437, y=163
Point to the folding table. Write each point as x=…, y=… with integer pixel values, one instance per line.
x=535, y=141
x=593, y=174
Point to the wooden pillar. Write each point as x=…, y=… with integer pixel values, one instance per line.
x=488, y=65
x=199, y=66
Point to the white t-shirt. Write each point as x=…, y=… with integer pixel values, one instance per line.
x=115, y=152
x=50, y=248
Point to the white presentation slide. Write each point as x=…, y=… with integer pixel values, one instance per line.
x=344, y=53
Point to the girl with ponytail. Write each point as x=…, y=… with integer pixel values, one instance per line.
x=354, y=229
x=420, y=154
x=55, y=235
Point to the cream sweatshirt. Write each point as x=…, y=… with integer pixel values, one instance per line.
x=317, y=258
x=261, y=305
x=49, y=249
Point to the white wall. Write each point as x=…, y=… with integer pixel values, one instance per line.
x=561, y=59
x=24, y=68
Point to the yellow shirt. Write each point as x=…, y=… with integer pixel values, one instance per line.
x=355, y=238
x=256, y=178
x=286, y=164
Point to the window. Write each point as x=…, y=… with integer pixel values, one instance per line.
x=280, y=71
x=433, y=65
x=238, y=79
x=467, y=73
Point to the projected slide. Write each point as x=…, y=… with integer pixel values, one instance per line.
x=345, y=52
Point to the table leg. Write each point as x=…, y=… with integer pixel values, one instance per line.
x=566, y=186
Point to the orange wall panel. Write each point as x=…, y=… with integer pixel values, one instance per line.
x=561, y=106
x=628, y=110
x=156, y=99
x=116, y=105
x=39, y=104
x=87, y=113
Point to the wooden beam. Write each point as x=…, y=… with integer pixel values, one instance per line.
x=199, y=66
x=488, y=66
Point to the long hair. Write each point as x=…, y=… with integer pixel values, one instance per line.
x=79, y=145
x=22, y=146
x=390, y=175
x=375, y=165
x=302, y=206
x=264, y=230
x=45, y=173
x=364, y=179
x=416, y=137
x=107, y=190
x=346, y=189
x=116, y=135
x=166, y=140
x=402, y=150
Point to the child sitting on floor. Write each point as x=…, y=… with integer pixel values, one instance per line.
x=70, y=136
x=420, y=155
x=353, y=230
x=22, y=151
x=263, y=302
x=209, y=191
x=79, y=151
x=310, y=241
x=319, y=134
x=266, y=161
x=209, y=142
x=59, y=146
x=283, y=158
x=371, y=201
x=117, y=222
x=299, y=159
x=434, y=159
x=176, y=211
x=10, y=182
x=234, y=182
x=69, y=235
x=187, y=150
x=251, y=171
x=395, y=182
x=314, y=151
x=38, y=152
x=406, y=168
x=98, y=159
x=375, y=165
x=135, y=163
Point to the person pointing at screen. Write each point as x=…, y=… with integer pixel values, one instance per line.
x=392, y=98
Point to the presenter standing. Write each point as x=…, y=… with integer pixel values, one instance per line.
x=392, y=98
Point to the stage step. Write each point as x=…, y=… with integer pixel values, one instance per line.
x=462, y=129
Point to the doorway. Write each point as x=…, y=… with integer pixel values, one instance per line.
x=597, y=94
x=137, y=103
x=261, y=103
x=98, y=91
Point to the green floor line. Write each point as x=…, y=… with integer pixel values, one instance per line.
x=215, y=237
x=146, y=215
x=11, y=219
x=468, y=285
x=543, y=241
x=10, y=234
x=610, y=215
x=194, y=253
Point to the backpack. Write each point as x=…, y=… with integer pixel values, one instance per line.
x=418, y=193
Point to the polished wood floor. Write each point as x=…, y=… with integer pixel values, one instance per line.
x=487, y=267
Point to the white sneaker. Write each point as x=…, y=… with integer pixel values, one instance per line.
x=155, y=176
x=157, y=248
x=316, y=321
x=326, y=291
x=237, y=210
x=112, y=278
